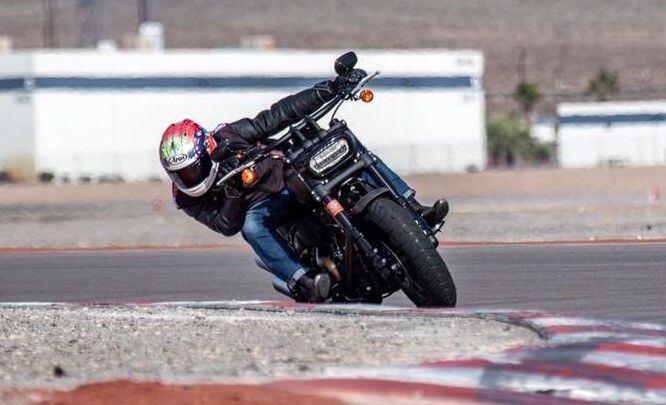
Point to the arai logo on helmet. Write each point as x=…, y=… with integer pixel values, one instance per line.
x=174, y=160
x=176, y=149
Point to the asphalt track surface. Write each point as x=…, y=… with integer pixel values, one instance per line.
x=614, y=281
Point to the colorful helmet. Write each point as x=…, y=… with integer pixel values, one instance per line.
x=184, y=156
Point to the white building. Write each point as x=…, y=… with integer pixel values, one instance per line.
x=545, y=129
x=612, y=133
x=92, y=113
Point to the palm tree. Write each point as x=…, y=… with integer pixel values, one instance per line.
x=527, y=95
x=604, y=85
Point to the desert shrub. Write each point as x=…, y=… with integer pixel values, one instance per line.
x=46, y=177
x=527, y=96
x=604, y=85
x=509, y=143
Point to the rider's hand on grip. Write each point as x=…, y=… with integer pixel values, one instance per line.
x=345, y=84
x=356, y=75
x=218, y=151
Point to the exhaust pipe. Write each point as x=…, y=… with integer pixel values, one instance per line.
x=329, y=265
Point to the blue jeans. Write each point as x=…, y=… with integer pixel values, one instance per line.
x=260, y=231
x=263, y=219
x=392, y=177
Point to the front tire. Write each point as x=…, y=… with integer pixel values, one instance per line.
x=428, y=281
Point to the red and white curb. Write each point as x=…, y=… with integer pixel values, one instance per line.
x=579, y=361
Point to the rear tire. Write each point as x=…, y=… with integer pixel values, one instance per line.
x=395, y=226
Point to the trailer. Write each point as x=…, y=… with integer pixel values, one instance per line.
x=631, y=133
x=91, y=114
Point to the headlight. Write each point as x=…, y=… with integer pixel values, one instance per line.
x=329, y=156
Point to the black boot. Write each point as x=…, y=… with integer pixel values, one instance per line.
x=311, y=287
x=434, y=215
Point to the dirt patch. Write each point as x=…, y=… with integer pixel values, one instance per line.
x=490, y=206
x=83, y=193
x=145, y=393
x=628, y=181
x=596, y=183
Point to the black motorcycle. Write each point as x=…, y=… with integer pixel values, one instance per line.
x=353, y=225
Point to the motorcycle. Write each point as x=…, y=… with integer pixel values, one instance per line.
x=353, y=225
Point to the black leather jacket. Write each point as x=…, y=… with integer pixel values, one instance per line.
x=224, y=210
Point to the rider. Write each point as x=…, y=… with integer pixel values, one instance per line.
x=190, y=155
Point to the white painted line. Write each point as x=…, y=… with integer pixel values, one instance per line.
x=195, y=304
x=563, y=321
x=640, y=325
x=573, y=388
x=575, y=337
x=647, y=341
x=459, y=377
x=642, y=362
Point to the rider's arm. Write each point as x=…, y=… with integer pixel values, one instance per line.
x=225, y=216
x=283, y=113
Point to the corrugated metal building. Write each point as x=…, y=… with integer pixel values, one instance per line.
x=91, y=113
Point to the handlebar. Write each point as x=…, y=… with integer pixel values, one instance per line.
x=316, y=116
x=235, y=172
x=362, y=84
x=325, y=109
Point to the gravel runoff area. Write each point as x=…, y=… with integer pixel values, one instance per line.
x=63, y=346
x=535, y=205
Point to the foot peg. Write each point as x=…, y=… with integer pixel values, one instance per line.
x=438, y=211
x=434, y=216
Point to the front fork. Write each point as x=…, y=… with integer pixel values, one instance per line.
x=322, y=193
x=404, y=203
x=337, y=211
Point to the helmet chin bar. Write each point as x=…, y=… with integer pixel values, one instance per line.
x=201, y=188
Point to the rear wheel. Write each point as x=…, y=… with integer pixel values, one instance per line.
x=423, y=275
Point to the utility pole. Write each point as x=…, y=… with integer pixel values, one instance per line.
x=522, y=65
x=146, y=10
x=91, y=13
x=48, y=9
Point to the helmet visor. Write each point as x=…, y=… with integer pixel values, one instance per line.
x=194, y=174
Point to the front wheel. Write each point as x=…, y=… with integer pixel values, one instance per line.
x=425, y=279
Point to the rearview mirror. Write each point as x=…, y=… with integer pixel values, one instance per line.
x=345, y=63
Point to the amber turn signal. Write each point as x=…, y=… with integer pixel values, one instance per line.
x=248, y=176
x=366, y=95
